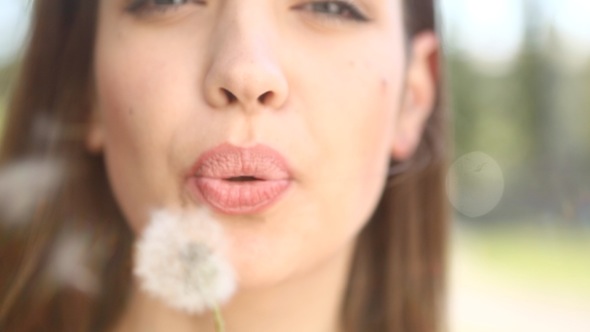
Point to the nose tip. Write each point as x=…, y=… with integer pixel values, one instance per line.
x=252, y=82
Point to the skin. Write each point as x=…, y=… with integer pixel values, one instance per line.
x=340, y=98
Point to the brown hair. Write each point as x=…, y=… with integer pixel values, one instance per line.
x=397, y=278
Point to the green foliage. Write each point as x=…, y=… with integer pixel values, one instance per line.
x=534, y=121
x=540, y=258
x=7, y=75
x=2, y=115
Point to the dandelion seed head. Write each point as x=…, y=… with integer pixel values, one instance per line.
x=179, y=259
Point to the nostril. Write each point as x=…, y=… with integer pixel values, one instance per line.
x=265, y=97
x=230, y=96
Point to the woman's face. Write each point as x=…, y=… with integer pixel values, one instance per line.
x=325, y=85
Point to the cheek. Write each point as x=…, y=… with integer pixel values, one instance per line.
x=359, y=147
x=352, y=111
x=139, y=114
x=124, y=137
x=356, y=130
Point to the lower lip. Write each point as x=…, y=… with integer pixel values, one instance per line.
x=233, y=197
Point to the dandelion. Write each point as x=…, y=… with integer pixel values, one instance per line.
x=178, y=259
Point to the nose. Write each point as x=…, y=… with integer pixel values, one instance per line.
x=244, y=69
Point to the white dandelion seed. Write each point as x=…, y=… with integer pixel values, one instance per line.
x=23, y=184
x=68, y=264
x=178, y=259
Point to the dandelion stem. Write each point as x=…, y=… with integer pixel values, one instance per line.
x=219, y=326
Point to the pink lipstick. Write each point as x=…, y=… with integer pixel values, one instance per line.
x=235, y=180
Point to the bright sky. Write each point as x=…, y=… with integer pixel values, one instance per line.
x=490, y=31
x=14, y=22
x=572, y=18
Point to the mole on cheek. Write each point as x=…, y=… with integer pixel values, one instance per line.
x=384, y=84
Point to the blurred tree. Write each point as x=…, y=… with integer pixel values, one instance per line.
x=534, y=120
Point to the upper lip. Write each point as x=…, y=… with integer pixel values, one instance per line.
x=230, y=162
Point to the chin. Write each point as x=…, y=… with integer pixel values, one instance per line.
x=264, y=259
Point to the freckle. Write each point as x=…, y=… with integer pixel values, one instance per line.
x=352, y=63
x=130, y=111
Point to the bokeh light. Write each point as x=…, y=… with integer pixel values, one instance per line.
x=475, y=184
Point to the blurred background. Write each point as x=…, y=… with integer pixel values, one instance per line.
x=518, y=85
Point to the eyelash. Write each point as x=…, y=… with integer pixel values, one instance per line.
x=342, y=10
x=338, y=9
x=153, y=6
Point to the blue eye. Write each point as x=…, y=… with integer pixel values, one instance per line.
x=335, y=9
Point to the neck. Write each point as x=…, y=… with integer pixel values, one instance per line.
x=310, y=302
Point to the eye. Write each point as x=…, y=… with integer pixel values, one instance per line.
x=334, y=9
x=146, y=6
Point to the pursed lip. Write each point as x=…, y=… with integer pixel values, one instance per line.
x=239, y=180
